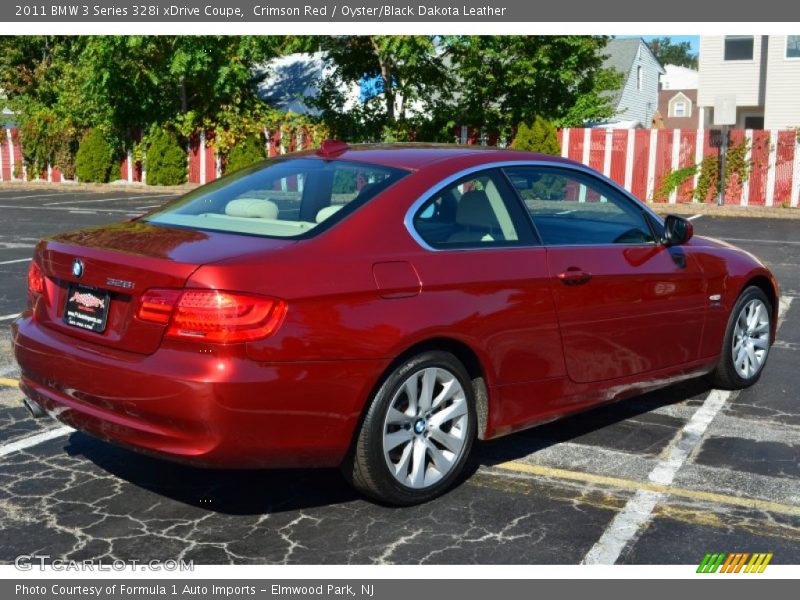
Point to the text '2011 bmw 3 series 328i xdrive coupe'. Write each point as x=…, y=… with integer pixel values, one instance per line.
x=378, y=308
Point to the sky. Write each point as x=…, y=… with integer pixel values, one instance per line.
x=694, y=40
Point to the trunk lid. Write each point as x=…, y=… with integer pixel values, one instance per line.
x=123, y=260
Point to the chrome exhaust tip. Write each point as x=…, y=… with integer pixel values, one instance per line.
x=36, y=411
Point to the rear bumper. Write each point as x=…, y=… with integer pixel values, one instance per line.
x=197, y=407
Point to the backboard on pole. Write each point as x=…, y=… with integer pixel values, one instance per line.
x=725, y=109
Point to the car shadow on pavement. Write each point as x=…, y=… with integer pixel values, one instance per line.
x=229, y=491
x=600, y=426
x=257, y=492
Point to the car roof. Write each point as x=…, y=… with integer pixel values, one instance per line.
x=416, y=156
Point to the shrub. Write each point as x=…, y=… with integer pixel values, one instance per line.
x=539, y=137
x=400, y=131
x=246, y=152
x=64, y=155
x=522, y=140
x=166, y=160
x=95, y=158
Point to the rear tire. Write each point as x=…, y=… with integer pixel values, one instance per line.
x=417, y=433
x=745, y=347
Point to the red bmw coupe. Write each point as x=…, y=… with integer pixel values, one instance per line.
x=378, y=308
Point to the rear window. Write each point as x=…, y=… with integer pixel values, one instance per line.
x=285, y=198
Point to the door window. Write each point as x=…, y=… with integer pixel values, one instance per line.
x=570, y=208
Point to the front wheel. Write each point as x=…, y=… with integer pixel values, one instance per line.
x=417, y=432
x=747, y=341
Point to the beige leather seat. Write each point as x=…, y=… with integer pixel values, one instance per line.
x=477, y=219
x=252, y=208
x=327, y=212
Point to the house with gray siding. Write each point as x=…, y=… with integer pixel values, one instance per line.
x=761, y=71
x=636, y=102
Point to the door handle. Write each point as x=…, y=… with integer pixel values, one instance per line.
x=574, y=276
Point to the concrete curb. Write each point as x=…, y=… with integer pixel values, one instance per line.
x=712, y=210
x=128, y=188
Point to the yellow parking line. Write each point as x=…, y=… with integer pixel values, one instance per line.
x=630, y=484
x=9, y=382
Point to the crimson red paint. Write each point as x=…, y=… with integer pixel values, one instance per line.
x=245, y=350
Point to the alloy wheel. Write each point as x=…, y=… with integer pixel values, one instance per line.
x=751, y=339
x=426, y=426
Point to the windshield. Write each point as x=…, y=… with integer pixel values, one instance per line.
x=286, y=198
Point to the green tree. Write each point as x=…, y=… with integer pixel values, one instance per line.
x=493, y=82
x=126, y=83
x=95, y=158
x=505, y=80
x=362, y=122
x=522, y=140
x=540, y=137
x=37, y=76
x=189, y=81
x=166, y=160
x=68, y=85
x=398, y=75
x=673, y=53
x=404, y=68
x=545, y=137
x=245, y=153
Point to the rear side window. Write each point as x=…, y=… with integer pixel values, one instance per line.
x=478, y=211
x=281, y=198
x=570, y=208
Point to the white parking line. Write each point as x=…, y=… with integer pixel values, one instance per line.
x=9, y=317
x=11, y=262
x=64, y=208
x=15, y=245
x=31, y=196
x=108, y=199
x=693, y=217
x=638, y=511
x=778, y=242
x=34, y=440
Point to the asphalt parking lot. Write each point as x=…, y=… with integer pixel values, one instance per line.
x=659, y=479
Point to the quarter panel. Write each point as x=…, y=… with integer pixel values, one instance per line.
x=495, y=301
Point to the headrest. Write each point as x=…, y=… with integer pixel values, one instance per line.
x=475, y=210
x=373, y=189
x=252, y=208
x=327, y=212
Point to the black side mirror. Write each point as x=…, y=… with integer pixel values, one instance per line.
x=677, y=230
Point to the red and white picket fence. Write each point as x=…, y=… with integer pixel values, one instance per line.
x=203, y=163
x=639, y=159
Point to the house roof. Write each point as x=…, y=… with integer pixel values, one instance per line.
x=679, y=78
x=289, y=81
x=620, y=54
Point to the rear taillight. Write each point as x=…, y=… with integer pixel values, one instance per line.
x=212, y=315
x=35, y=280
x=157, y=305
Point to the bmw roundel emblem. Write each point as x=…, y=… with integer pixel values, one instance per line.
x=77, y=267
